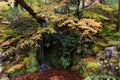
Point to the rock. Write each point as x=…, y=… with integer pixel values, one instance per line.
x=7, y=62
x=1, y=69
x=2, y=55
x=6, y=78
x=109, y=52
x=93, y=67
x=44, y=67
x=31, y=64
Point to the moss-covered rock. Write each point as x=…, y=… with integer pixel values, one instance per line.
x=18, y=73
x=32, y=69
x=100, y=9
x=93, y=15
x=15, y=68
x=31, y=64
x=92, y=67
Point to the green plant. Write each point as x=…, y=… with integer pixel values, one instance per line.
x=106, y=30
x=16, y=70
x=18, y=73
x=99, y=77
x=92, y=67
x=93, y=15
x=32, y=69
x=116, y=34
x=65, y=62
x=68, y=44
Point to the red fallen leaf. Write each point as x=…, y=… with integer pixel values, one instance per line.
x=4, y=43
x=3, y=3
x=90, y=58
x=99, y=51
x=55, y=74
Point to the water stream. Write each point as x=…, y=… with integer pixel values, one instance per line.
x=44, y=66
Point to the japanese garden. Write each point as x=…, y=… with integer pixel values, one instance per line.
x=59, y=39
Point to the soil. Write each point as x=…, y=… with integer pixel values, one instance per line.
x=54, y=74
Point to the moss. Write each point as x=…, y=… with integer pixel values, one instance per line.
x=106, y=9
x=115, y=8
x=5, y=78
x=30, y=61
x=15, y=68
x=32, y=69
x=93, y=15
x=18, y=73
x=98, y=47
x=28, y=65
x=85, y=74
x=92, y=67
x=75, y=67
x=4, y=8
x=106, y=30
x=5, y=33
x=31, y=64
x=0, y=49
x=76, y=59
x=1, y=17
x=73, y=18
x=52, y=59
x=100, y=9
x=95, y=48
x=116, y=34
x=112, y=42
x=112, y=60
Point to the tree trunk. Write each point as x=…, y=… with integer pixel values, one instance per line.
x=78, y=5
x=102, y=1
x=30, y=10
x=118, y=24
x=83, y=4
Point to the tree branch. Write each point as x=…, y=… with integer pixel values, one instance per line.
x=23, y=4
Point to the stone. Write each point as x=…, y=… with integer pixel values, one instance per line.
x=1, y=69
x=2, y=55
x=44, y=67
x=109, y=52
x=6, y=78
x=113, y=49
x=7, y=62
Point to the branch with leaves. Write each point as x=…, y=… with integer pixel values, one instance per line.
x=23, y=4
